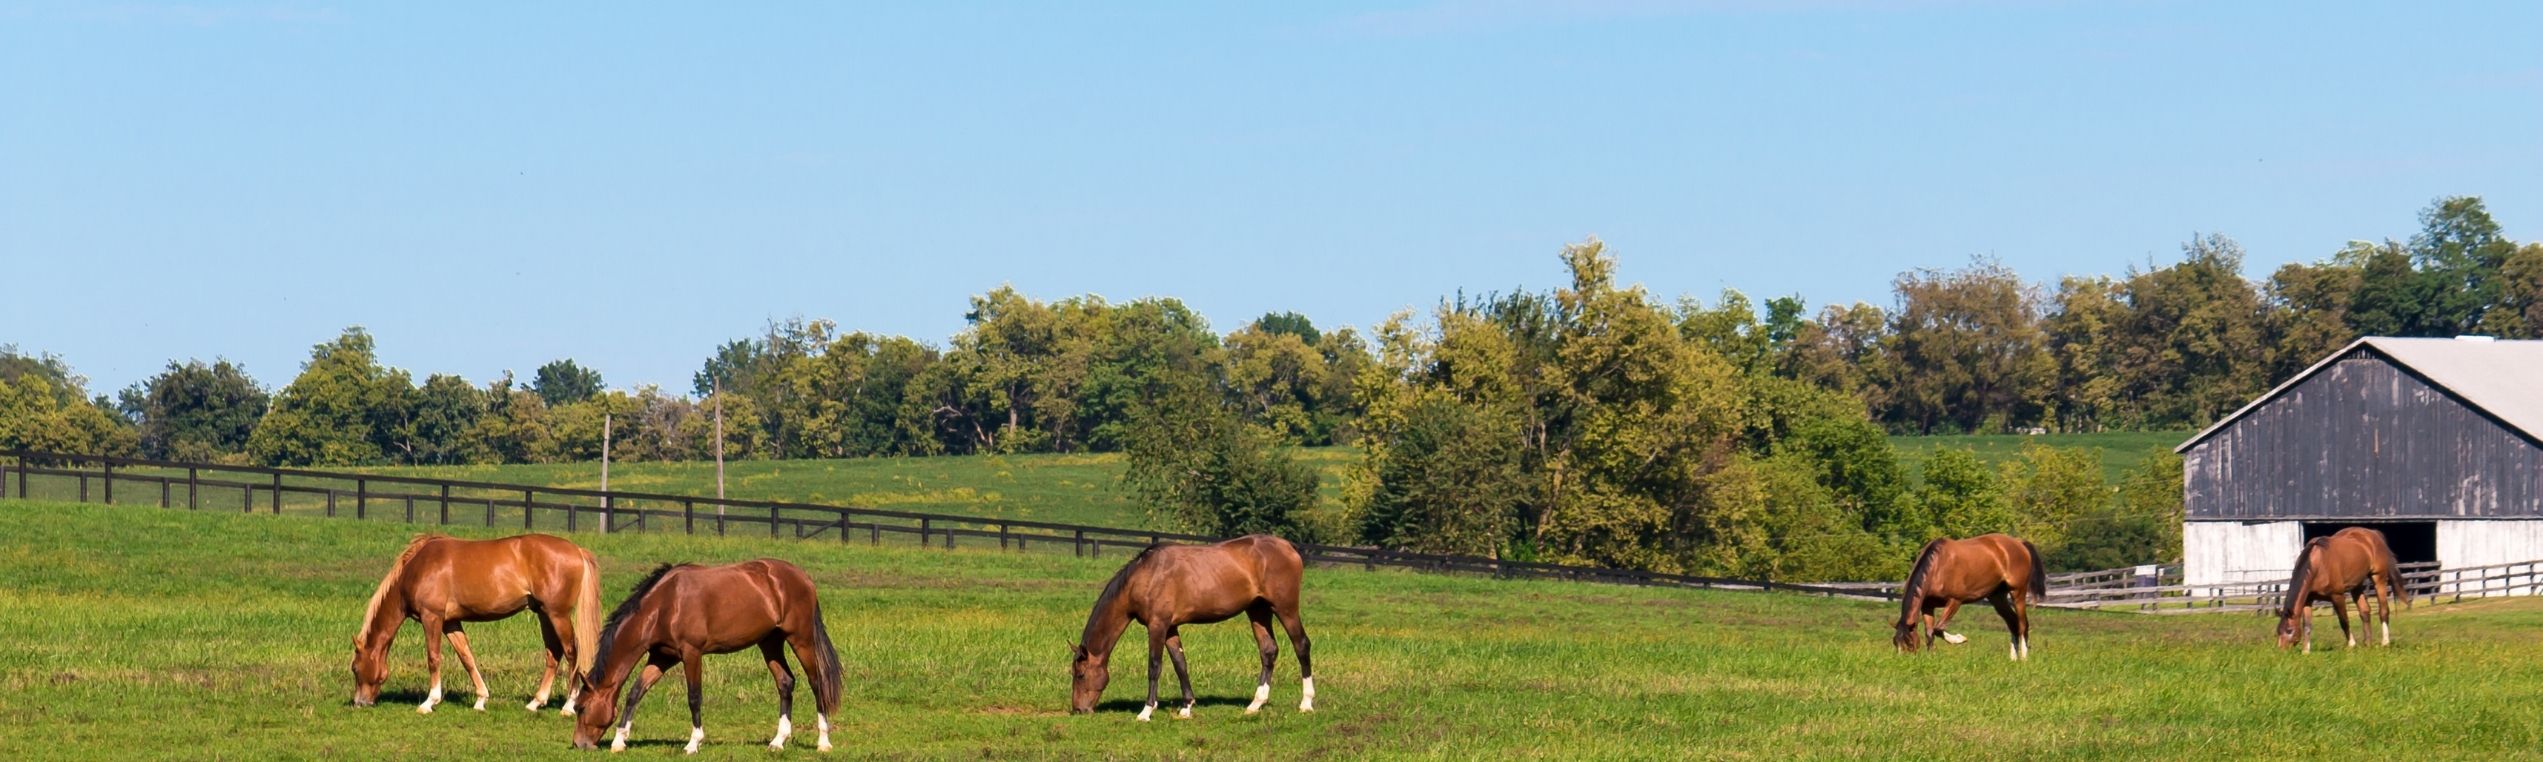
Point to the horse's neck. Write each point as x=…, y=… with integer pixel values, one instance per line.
x=625, y=646
x=1105, y=625
x=381, y=629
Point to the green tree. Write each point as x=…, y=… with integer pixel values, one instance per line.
x=2309, y=310
x=2142, y=526
x=341, y=409
x=2520, y=311
x=2460, y=252
x=561, y=381
x=1447, y=482
x=35, y=414
x=195, y=412
x=2191, y=347
x=1968, y=353
x=1199, y=466
x=1961, y=498
x=2082, y=325
x=2049, y=489
x=2391, y=299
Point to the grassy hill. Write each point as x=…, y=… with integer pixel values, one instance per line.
x=141, y=632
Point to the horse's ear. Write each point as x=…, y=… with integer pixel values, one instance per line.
x=1077, y=650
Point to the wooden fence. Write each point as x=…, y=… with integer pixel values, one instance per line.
x=445, y=502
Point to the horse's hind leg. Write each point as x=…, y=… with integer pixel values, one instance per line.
x=2012, y=621
x=2383, y=609
x=1261, y=615
x=432, y=662
x=690, y=670
x=555, y=653
x=771, y=650
x=825, y=696
x=1306, y=663
x=2341, y=610
x=1182, y=673
x=468, y=659
x=1156, y=664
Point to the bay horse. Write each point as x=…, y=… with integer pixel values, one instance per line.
x=441, y=581
x=1168, y=586
x=2004, y=571
x=681, y=612
x=2351, y=561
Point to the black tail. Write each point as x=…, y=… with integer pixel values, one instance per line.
x=2039, y=573
x=828, y=671
x=2393, y=568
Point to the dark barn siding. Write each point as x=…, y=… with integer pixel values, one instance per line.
x=2363, y=438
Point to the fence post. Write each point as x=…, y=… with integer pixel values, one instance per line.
x=193, y=484
x=331, y=502
x=525, y=509
x=489, y=512
x=688, y=516
x=445, y=504
x=109, y=480
x=247, y=498
x=772, y=519
x=1002, y=536
x=163, y=493
x=608, y=512
x=278, y=494
x=361, y=498
x=1078, y=545
x=569, y=514
x=410, y=509
x=22, y=474
x=83, y=486
x=844, y=524
x=922, y=532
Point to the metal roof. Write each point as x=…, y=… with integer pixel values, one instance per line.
x=2502, y=379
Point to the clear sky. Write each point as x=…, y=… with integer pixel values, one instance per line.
x=631, y=184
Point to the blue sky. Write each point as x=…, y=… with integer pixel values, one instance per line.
x=631, y=184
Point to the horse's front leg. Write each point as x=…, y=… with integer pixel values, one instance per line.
x=654, y=669
x=2012, y=621
x=1156, y=663
x=690, y=669
x=555, y=653
x=1182, y=674
x=432, y=662
x=468, y=660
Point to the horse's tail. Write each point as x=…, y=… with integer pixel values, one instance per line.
x=2392, y=570
x=587, y=615
x=828, y=671
x=2039, y=573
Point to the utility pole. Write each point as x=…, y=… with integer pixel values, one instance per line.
x=605, y=516
x=719, y=449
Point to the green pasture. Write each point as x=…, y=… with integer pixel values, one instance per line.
x=138, y=632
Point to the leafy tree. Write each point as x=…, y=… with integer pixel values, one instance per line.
x=444, y=410
x=2309, y=309
x=195, y=412
x=2519, y=314
x=2142, y=526
x=1290, y=324
x=1448, y=481
x=513, y=427
x=1199, y=466
x=2391, y=299
x=1961, y=498
x=37, y=415
x=561, y=381
x=2049, y=489
x=2191, y=347
x=2459, y=252
x=1968, y=353
x=1842, y=349
x=1811, y=535
x=2083, y=328
x=341, y=409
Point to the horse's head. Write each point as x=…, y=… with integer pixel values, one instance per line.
x=1905, y=637
x=370, y=669
x=2287, y=632
x=595, y=709
x=1088, y=673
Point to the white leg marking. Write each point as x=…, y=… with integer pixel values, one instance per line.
x=481, y=703
x=620, y=743
x=1145, y=711
x=823, y=721
x=2015, y=649
x=429, y=700
x=785, y=727
x=696, y=736
x=2026, y=648
x=1307, y=703
x=1954, y=638
x=2388, y=633
x=539, y=700
x=1184, y=713
x=1262, y=693
x=571, y=694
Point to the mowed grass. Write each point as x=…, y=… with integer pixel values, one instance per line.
x=2119, y=450
x=141, y=632
x=1072, y=488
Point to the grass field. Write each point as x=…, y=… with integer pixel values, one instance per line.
x=2118, y=450
x=140, y=632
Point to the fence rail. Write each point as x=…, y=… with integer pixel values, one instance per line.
x=421, y=500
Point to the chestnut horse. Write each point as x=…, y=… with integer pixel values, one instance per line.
x=2350, y=561
x=680, y=613
x=441, y=581
x=2003, y=570
x=1168, y=586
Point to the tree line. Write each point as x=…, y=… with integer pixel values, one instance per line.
x=1590, y=423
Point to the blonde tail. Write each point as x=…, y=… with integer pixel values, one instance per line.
x=587, y=616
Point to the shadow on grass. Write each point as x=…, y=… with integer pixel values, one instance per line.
x=1167, y=702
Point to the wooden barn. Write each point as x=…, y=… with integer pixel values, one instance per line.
x=2437, y=442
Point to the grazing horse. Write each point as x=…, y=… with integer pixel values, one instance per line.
x=442, y=581
x=2350, y=561
x=2005, y=571
x=680, y=613
x=1168, y=586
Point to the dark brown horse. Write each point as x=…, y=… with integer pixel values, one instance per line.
x=680, y=613
x=1169, y=586
x=442, y=581
x=2351, y=561
x=2005, y=571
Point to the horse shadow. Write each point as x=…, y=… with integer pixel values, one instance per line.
x=1169, y=703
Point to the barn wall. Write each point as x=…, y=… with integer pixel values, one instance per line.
x=2223, y=552
x=2481, y=543
x=2362, y=438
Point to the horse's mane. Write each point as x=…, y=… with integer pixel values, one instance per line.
x=1914, y=588
x=2296, y=583
x=371, y=611
x=1112, y=588
x=626, y=608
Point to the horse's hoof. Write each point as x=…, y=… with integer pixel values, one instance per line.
x=1183, y=714
x=1954, y=638
x=1253, y=710
x=568, y=711
x=481, y=705
x=424, y=709
x=823, y=748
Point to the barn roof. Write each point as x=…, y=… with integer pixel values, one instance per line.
x=2502, y=379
